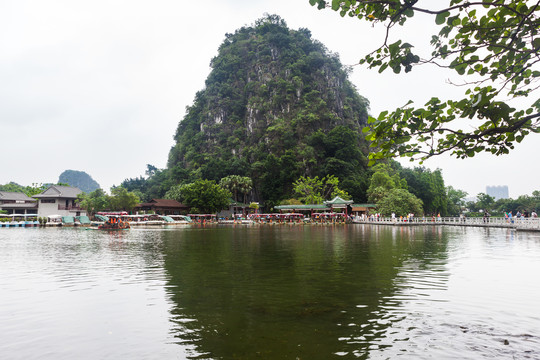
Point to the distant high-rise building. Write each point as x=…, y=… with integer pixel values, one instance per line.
x=498, y=192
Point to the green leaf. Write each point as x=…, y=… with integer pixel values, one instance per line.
x=441, y=17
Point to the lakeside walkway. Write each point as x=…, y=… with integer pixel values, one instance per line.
x=523, y=224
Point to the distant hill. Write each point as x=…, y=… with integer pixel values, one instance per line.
x=79, y=179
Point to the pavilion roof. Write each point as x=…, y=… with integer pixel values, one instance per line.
x=362, y=207
x=338, y=201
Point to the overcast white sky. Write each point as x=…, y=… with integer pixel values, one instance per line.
x=100, y=86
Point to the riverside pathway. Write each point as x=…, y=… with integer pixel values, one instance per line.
x=523, y=224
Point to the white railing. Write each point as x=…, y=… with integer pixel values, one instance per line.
x=515, y=223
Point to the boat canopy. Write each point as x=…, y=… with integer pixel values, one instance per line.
x=84, y=220
x=70, y=220
x=101, y=217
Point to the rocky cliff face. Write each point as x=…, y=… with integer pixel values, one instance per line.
x=272, y=92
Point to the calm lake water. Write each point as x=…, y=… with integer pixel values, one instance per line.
x=270, y=292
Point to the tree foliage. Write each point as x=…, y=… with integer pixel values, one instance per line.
x=93, y=202
x=122, y=199
x=98, y=200
x=384, y=178
x=316, y=191
x=204, y=195
x=389, y=191
x=428, y=186
x=523, y=203
x=456, y=200
x=237, y=184
x=485, y=202
x=492, y=47
x=401, y=202
x=157, y=183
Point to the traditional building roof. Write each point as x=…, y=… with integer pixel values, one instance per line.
x=57, y=191
x=338, y=201
x=14, y=196
x=27, y=205
x=362, y=207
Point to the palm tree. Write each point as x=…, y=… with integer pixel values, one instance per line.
x=237, y=184
x=245, y=186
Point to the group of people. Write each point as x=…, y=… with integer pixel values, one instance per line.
x=407, y=218
x=519, y=215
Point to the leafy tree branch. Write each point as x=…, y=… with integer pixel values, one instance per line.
x=494, y=46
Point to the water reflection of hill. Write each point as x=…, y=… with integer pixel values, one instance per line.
x=293, y=292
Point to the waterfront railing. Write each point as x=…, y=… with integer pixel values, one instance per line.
x=520, y=223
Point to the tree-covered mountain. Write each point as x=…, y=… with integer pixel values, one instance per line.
x=277, y=105
x=79, y=179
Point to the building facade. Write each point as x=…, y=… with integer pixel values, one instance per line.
x=59, y=200
x=498, y=192
x=17, y=203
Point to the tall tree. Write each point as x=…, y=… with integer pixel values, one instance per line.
x=484, y=202
x=93, y=202
x=237, y=184
x=384, y=178
x=205, y=196
x=389, y=191
x=122, y=199
x=428, y=186
x=245, y=187
x=493, y=48
x=401, y=202
x=456, y=200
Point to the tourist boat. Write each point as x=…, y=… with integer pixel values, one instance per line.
x=144, y=220
x=4, y=220
x=54, y=220
x=176, y=219
x=18, y=220
x=68, y=221
x=114, y=223
x=203, y=218
x=278, y=218
x=328, y=217
x=30, y=220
